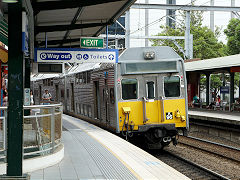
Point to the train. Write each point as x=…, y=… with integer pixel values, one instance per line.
x=143, y=95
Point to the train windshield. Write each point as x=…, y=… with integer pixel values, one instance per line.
x=129, y=89
x=172, y=86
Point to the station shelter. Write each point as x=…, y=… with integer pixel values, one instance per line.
x=223, y=65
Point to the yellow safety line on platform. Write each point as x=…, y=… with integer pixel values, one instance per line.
x=130, y=169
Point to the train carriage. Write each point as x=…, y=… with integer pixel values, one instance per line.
x=143, y=94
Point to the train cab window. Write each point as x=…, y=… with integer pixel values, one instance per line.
x=150, y=88
x=129, y=89
x=172, y=86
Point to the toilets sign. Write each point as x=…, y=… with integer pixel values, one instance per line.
x=76, y=55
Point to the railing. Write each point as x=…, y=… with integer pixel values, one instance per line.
x=42, y=130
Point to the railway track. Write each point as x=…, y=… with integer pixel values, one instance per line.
x=188, y=168
x=228, y=152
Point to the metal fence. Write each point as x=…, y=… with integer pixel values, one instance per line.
x=42, y=130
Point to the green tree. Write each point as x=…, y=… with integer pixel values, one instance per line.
x=205, y=42
x=233, y=35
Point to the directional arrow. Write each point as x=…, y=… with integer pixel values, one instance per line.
x=84, y=42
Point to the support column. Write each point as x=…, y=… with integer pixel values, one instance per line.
x=27, y=75
x=232, y=5
x=127, y=26
x=187, y=35
x=146, y=24
x=212, y=16
x=171, y=13
x=207, y=88
x=15, y=90
x=231, y=87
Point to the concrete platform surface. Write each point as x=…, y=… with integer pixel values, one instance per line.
x=93, y=153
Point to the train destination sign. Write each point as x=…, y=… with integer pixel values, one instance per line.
x=88, y=42
x=63, y=55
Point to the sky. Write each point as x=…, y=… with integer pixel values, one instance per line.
x=137, y=18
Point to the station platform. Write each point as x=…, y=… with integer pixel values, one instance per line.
x=215, y=116
x=93, y=153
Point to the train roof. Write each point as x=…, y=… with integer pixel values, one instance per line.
x=137, y=54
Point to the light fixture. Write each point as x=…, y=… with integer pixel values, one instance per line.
x=9, y=1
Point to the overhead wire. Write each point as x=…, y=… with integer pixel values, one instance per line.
x=160, y=19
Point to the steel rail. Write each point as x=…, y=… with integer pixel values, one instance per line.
x=217, y=175
x=212, y=152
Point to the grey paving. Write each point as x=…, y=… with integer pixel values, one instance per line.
x=84, y=158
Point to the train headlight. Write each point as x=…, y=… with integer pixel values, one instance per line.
x=149, y=55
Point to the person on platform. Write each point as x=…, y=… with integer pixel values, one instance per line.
x=46, y=97
x=195, y=100
x=31, y=97
x=218, y=100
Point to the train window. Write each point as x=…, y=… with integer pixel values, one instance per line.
x=112, y=95
x=81, y=110
x=85, y=110
x=129, y=89
x=172, y=86
x=88, y=77
x=84, y=77
x=150, y=90
x=62, y=93
x=89, y=111
x=67, y=93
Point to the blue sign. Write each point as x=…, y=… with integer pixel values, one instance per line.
x=62, y=55
x=55, y=56
x=224, y=89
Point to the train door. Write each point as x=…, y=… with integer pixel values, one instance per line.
x=97, y=100
x=72, y=98
x=150, y=101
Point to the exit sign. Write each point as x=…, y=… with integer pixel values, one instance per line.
x=88, y=42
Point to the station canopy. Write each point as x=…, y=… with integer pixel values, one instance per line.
x=63, y=22
x=215, y=64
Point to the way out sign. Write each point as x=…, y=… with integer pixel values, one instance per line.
x=74, y=55
x=91, y=42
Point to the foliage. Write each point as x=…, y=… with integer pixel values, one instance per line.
x=233, y=35
x=205, y=42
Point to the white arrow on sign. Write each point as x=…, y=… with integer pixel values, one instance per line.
x=84, y=42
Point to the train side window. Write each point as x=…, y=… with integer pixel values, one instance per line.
x=150, y=90
x=172, y=86
x=67, y=93
x=129, y=89
x=112, y=95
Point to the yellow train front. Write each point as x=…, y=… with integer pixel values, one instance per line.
x=150, y=91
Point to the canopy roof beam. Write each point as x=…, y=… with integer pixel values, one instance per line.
x=66, y=4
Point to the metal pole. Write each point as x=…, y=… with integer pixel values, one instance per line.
x=15, y=90
x=231, y=89
x=52, y=129
x=45, y=39
x=27, y=75
x=170, y=14
x=232, y=5
x=207, y=88
x=187, y=35
x=212, y=16
x=106, y=37
x=127, y=26
x=146, y=24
